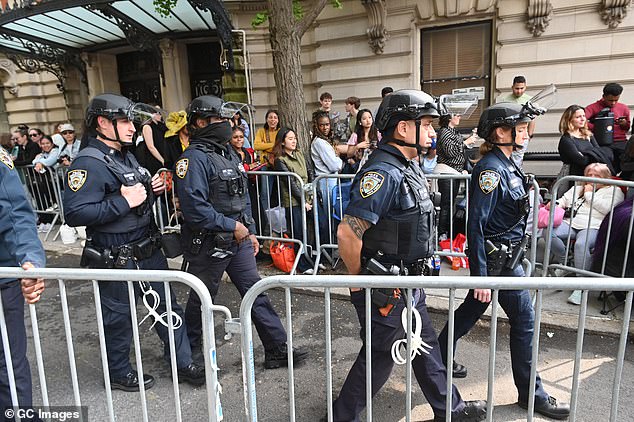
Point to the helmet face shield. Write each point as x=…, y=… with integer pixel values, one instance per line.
x=462, y=104
x=229, y=109
x=142, y=113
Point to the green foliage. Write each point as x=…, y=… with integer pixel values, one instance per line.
x=164, y=7
x=298, y=11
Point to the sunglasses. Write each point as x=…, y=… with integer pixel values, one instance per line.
x=33, y=135
x=66, y=132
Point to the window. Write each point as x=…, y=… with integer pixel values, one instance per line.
x=457, y=57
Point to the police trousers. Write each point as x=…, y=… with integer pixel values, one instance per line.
x=13, y=304
x=428, y=369
x=242, y=270
x=115, y=306
x=518, y=307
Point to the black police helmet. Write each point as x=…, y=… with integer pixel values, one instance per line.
x=110, y=106
x=502, y=115
x=204, y=106
x=405, y=104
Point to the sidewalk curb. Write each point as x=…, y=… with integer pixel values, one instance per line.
x=565, y=321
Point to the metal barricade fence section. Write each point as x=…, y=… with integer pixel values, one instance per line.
x=70, y=364
x=44, y=189
x=589, y=239
x=566, y=374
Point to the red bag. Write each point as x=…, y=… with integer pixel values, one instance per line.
x=283, y=255
x=456, y=245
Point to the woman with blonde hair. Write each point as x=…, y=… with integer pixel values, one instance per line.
x=577, y=146
x=588, y=203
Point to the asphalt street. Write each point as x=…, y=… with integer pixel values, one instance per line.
x=555, y=365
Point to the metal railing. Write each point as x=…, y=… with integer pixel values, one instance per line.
x=328, y=283
x=109, y=275
x=44, y=190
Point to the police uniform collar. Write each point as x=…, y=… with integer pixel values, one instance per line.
x=102, y=147
x=391, y=149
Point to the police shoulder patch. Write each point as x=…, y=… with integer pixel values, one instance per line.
x=489, y=180
x=371, y=182
x=76, y=179
x=181, y=167
x=5, y=158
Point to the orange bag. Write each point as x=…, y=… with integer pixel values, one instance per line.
x=457, y=245
x=283, y=255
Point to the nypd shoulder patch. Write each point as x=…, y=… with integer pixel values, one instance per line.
x=76, y=179
x=5, y=158
x=489, y=180
x=181, y=167
x=371, y=182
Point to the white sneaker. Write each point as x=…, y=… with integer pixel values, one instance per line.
x=40, y=228
x=47, y=227
x=322, y=266
x=308, y=272
x=575, y=297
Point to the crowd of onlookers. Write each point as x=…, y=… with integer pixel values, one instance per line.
x=342, y=141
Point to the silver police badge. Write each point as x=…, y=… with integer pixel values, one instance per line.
x=181, y=167
x=5, y=158
x=489, y=180
x=76, y=179
x=370, y=183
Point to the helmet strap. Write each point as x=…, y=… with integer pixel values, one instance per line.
x=400, y=142
x=116, y=134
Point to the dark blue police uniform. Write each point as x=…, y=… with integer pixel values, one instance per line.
x=497, y=212
x=92, y=198
x=391, y=193
x=19, y=243
x=212, y=187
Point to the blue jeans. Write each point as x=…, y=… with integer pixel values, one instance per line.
x=519, y=308
x=584, y=244
x=326, y=223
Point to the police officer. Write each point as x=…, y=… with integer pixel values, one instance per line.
x=19, y=246
x=497, y=221
x=110, y=193
x=389, y=224
x=218, y=230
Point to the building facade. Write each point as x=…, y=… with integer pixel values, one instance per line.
x=436, y=45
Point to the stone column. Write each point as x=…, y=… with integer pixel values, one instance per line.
x=174, y=87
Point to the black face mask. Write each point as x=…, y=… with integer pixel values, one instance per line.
x=219, y=132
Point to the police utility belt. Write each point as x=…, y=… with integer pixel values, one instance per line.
x=217, y=244
x=386, y=299
x=119, y=256
x=504, y=256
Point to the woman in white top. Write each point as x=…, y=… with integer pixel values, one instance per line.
x=588, y=204
x=326, y=161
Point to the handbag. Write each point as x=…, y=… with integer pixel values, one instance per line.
x=544, y=215
x=283, y=255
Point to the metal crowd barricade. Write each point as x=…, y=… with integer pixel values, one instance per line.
x=214, y=407
x=578, y=267
x=267, y=204
x=44, y=191
x=409, y=283
x=331, y=184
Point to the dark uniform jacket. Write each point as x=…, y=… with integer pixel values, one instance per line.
x=496, y=207
x=19, y=242
x=93, y=197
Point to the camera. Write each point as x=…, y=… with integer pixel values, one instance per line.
x=61, y=158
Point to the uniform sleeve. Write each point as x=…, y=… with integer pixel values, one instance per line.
x=486, y=191
x=85, y=202
x=192, y=188
x=372, y=195
x=17, y=223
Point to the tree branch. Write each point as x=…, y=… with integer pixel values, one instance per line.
x=303, y=25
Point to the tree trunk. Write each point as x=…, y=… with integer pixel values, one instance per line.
x=287, y=70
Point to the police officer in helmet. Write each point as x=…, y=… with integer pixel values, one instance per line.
x=218, y=230
x=387, y=228
x=498, y=209
x=111, y=194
